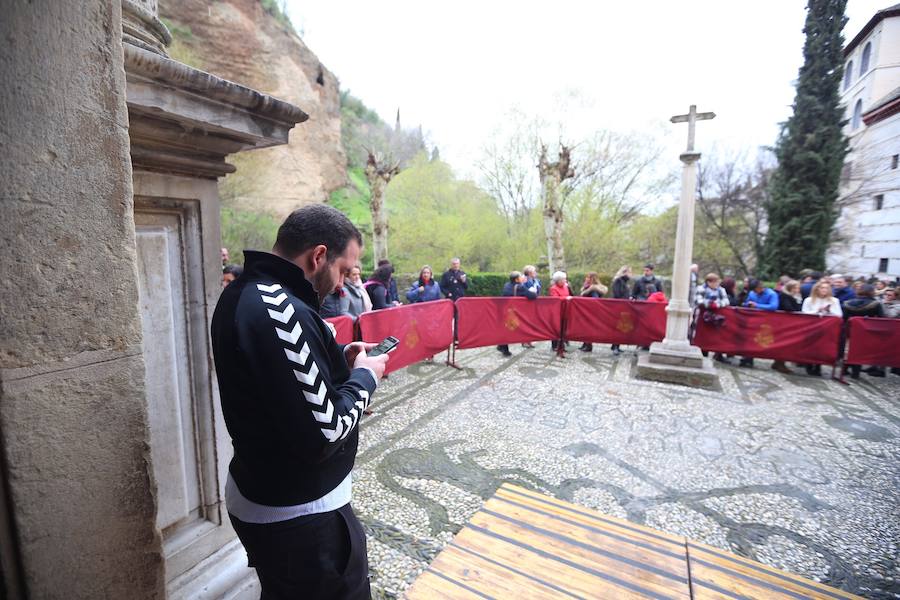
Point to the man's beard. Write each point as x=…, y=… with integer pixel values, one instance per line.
x=323, y=282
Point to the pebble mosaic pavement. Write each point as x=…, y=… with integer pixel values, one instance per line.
x=798, y=472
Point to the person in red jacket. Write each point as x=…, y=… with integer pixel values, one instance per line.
x=654, y=295
x=559, y=289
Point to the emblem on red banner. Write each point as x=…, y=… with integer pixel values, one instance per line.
x=511, y=321
x=765, y=337
x=411, y=340
x=625, y=324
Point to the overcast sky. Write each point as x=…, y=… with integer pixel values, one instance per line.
x=458, y=67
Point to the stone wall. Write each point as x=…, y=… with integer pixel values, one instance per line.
x=73, y=414
x=238, y=40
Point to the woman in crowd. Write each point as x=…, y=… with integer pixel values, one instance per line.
x=789, y=300
x=425, y=289
x=728, y=284
x=358, y=300
x=377, y=287
x=559, y=289
x=712, y=296
x=820, y=302
x=621, y=289
x=655, y=295
x=592, y=288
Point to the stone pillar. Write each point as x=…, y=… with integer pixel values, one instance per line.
x=74, y=441
x=678, y=318
x=675, y=360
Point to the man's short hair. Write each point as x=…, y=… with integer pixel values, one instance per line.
x=383, y=262
x=314, y=225
x=514, y=276
x=753, y=284
x=649, y=266
x=236, y=270
x=866, y=290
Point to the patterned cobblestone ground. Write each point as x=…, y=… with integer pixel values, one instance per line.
x=798, y=472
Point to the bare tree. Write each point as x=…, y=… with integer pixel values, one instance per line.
x=732, y=199
x=553, y=196
x=379, y=174
x=507, y=170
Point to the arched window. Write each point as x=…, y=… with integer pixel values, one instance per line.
x=864, y=61
x=857, y=116
x=848, y=75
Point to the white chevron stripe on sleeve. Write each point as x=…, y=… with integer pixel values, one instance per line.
x=299, y=358
x=269, y=289
x=332, y=435
x=324, y=417
x=319, y=397
x=290, y=336
x=364, y=396
x=276, y=301
x=350, y=421
x=284, y=316
x=308, y=378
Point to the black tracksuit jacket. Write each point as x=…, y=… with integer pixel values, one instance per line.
x=291, y=403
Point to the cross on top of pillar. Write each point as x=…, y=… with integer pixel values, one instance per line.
x=691, y=119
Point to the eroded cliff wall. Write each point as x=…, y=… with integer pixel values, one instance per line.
x=239, y=40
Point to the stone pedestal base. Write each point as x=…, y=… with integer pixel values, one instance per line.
x=682, y=365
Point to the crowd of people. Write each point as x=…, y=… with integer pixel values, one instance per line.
x=814, y=293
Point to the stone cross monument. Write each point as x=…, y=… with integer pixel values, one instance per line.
x=674, y=359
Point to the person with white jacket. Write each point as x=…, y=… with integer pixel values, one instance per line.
x=821, y=301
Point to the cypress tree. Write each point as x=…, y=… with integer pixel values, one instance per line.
x=810, y=150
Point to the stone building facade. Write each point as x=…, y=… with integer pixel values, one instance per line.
x=112, y=447
x=867, y=240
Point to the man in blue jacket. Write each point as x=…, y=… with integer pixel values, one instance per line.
x=840, y=289
x=517, y=286
x=761, y=297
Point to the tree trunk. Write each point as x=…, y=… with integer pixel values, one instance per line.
x=552, y=175
x=378, y=177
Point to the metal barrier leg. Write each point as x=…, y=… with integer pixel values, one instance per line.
x=451, y=357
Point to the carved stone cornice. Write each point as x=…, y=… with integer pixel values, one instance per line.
x=185, y=121
x=141, y=26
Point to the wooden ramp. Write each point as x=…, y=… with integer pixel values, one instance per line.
x=523, y=544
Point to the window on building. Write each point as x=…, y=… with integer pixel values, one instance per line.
x=894, y=160
x=848, y=75
x=864, y=61
x=883, y=265
x=857, y=116
x=879, y=201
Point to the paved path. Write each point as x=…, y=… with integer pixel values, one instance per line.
x=796, y=472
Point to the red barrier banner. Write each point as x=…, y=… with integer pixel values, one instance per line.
x=507, y=320
x=602, y=321
x=424, y=329
x=777, y=335
x=343, y=329
x=874, y=341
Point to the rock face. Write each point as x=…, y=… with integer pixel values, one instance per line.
x=240, y=41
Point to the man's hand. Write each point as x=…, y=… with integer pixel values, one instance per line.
x=351, y=351
x=751, y=304
x=376, y=363
x=421, y=288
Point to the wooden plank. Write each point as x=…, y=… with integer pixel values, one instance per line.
x=581, y=580
x=718, y=574
x=667, y=561
x=433, y=585
x=576, y=511
x=524, y=545
x=594, y=559
x=490, y=576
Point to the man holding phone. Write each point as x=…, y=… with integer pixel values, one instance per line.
x=292, y=399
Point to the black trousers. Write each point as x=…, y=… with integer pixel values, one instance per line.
x=321, y=557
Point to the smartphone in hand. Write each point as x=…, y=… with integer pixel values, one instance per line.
x=385, y=346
